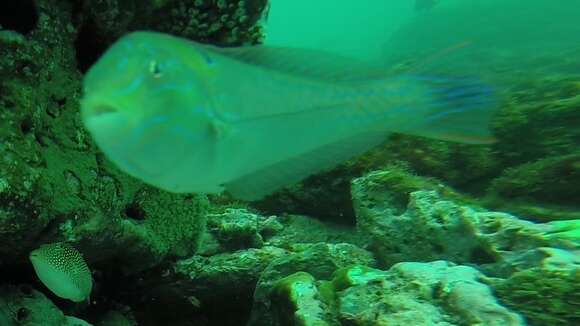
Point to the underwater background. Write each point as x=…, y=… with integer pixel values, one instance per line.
x=414, y=232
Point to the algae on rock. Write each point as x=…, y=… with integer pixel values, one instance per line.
x=428, y=225
x=436, y=293
x=544, y=296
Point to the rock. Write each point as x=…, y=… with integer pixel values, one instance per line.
x=222, y=275
x=297, y=300
x=238, y=248
x=195, y=288
x=550, y=181
x=37, y=83
x=153, y=226
x=319, y=261
x=170, y=224
x=225, y=22
x=54, y=184
x=325, y=195
x=434, y=227
x=116, y=318
x=23, y=306
x=298, y=229
x=437, y=293
x=235, y=229
x=217, y=22
x=73, y=321
x=545, y=295
x=429, y=229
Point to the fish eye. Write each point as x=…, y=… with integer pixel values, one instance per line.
x=154, y=69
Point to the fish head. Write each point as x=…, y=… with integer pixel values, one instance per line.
x=145, y=104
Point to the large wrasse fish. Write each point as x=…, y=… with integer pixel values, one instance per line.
x=188, y=117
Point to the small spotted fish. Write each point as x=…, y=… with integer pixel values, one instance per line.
x=62, y=269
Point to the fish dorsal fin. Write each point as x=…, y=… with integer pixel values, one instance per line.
x=310, y=63
x=260, y=183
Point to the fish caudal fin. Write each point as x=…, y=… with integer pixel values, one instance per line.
x=451, y=104
x=456, y=109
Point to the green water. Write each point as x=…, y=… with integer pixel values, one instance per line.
x=365, y=28
x=356, y=28
x=516, y=28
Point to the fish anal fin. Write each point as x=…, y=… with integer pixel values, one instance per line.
x=260, y=183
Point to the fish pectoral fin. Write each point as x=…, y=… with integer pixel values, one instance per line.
x=263, y=182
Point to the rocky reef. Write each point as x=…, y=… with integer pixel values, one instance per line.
x=416, y=232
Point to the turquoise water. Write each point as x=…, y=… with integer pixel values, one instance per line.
x=359, y=29
x=365, y=28
x=520, y=29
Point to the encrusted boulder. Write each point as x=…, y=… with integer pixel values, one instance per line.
x=426, y=225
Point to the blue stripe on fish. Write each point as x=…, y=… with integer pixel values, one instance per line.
x=458, y=109
x=133, y=86
x=140, y=129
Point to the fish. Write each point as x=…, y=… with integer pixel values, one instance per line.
x=188, y=117
x=63, y=270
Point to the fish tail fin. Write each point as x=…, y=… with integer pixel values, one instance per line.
x=456, y=109
x=451, y=99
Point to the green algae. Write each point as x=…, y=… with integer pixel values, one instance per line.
x=174, y=223
x=564, y=230
x=217, y=22
x=37, y=78
x=544, y=297
x=297, y=299
x=346, y=277
x=542, y=190
x=548, y=180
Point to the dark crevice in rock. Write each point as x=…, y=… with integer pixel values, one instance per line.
x=20, y=16
x=26, y=126
x=481, y=256
x=135, y=211
x=89, y=46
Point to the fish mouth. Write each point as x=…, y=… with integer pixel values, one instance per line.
x=117, y=138
x=96, y=107
x=102, y=109
x=96, y=111
x=101, y=116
